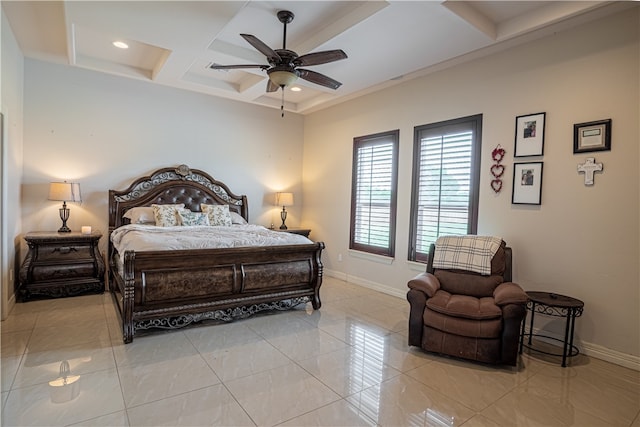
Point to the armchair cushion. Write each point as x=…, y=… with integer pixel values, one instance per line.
x=465, y=283
x=459, y=326
x=425, y=282
x=509, y=293
x=464, y=306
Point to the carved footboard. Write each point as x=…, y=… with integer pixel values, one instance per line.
x=172, y=289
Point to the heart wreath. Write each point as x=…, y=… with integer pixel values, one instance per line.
x=497, y=170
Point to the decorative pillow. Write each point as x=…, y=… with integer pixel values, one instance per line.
x=236, y=218
x=141, y=215
x=190, y=219
x=166, y=215
x=218, y=214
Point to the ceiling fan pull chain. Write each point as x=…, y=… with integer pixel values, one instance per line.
x=282, y=104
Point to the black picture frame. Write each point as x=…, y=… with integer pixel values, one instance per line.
x=529, y=139
x=592, y=136
x=527, y=183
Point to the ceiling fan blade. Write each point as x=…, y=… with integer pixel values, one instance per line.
x=271, y=86
x=318, y=58
x=318, y=78
x=271, y=54
x=233, y=67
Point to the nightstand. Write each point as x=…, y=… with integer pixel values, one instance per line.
x=302, y=231
x=61, y=265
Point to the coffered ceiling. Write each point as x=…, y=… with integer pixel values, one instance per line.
x=173, y=42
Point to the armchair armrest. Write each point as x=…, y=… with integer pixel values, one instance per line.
x=425, y=282
x=509, y=293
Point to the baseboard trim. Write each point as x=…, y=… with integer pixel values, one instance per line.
x=599, y=352
x=367, y=283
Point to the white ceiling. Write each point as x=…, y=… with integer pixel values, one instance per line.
x=173, y=42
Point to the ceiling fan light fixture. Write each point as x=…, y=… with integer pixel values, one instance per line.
x=282, y=78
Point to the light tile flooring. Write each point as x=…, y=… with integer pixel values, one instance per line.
x=347, y=364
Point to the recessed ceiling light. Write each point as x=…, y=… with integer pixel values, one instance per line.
x=296, y=88
x=121, y=45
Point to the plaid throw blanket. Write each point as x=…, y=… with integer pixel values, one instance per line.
x=471, y=253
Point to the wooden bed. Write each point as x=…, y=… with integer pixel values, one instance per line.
x=171, y=289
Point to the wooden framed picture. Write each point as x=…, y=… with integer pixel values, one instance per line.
x=527, y=183
x=529, y=135
x=592, y=136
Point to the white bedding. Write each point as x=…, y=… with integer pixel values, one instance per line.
x=137, y=237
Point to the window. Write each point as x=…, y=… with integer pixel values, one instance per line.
x=373, y=193
x=446, y=179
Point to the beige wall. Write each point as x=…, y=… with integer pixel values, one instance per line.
x=11, y=83
x=581, y=241
x=103, y=131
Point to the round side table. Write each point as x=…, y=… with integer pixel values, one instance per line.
x=556, y=305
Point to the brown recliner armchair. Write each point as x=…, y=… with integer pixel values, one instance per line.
x=466, y=314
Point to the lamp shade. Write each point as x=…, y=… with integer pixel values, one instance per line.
x=284, y=199
x=65, y=191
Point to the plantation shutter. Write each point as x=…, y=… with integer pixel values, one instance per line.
x=373, y=201
x=445, y=187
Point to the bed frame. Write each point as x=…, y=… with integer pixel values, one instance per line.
x=175, y=288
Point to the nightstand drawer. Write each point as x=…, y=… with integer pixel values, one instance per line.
x=45, y=272
x=71, y=252
x=61, y=265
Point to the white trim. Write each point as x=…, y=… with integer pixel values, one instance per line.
x=367, y=283
x=597, y=351
x=336, y=274
x=417, y=266
x=381, y=259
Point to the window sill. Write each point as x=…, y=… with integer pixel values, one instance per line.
x=380, y=259
x=417, y=266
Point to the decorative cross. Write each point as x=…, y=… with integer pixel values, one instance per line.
x=589, y=167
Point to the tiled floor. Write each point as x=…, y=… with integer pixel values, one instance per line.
x=345, y=365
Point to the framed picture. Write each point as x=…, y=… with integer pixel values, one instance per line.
x=592, y=136
x=527, y=183
x=529, y=135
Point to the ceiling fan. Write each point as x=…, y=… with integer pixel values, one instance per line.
x=283, y=63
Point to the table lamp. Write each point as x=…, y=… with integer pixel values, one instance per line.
x=284, y=199
x=65, y=192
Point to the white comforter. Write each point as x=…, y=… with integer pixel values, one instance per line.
x=137, y=237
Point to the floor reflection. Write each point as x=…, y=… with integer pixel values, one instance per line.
x=349, y=361
x=66, y=387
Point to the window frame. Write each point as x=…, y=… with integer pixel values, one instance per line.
x=358, y=142
x=475, y=125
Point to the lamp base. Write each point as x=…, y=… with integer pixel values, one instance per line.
x=64, y=216
x=283, y=216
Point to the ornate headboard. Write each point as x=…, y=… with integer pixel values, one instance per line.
x=173, y=185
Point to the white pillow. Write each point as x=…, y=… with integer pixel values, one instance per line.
x=140, y=215
x=191, y=219
x=218, y=214
x=236, y=218
x=166, y=215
